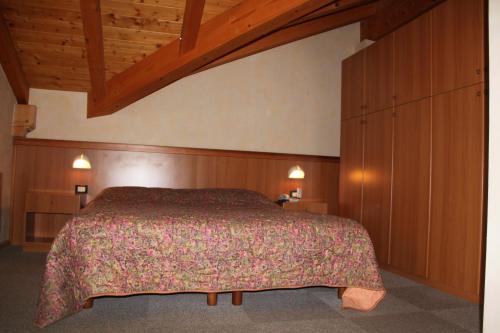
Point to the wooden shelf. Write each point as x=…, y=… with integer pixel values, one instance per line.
x=46, y=212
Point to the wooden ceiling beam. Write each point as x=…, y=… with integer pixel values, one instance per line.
x=334, y=7
x=296, y=32
x=191, y=24
x=12, y=66
x=94, y=43
x=237, y=26
x=392, y=14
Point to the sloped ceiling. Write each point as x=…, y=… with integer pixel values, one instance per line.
x=49, y=38
x=122, y=50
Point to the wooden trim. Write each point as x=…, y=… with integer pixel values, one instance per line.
x=168, y=150
x=224, y=33
x=191, y=24
x=297, y=32
x=92, y=29
x=12, y=66
x=457, y=292
x=393, y=15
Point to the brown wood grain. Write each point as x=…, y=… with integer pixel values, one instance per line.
x=457, y=188
x=12, y=66
x=336, y=7
x=131, y=30
x=380, y=74
x=412, y=52
x=47, y=165
x=317, y=207
x=377, y=180
x=392, y=14
x=351, y=169
x=217, y=37
x=457, y=44
x=92, y=29
x=304, y=27
x=353, y=85
x=191, y=24
x=411, y=179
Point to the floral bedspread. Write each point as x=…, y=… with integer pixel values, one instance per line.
x=133, y=240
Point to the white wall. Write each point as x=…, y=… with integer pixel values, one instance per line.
x=491, y=322
x=7, y=102
x=284, y=100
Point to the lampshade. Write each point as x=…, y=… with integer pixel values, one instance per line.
x=81, y=162
x=296, y=172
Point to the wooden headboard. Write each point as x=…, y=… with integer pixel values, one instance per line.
x=47, y=164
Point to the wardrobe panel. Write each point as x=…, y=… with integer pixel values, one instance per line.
x=377, y=179
x=351, y=169
x=457, y=44
x=457, y=189
x=412, y=55
x=410, y=203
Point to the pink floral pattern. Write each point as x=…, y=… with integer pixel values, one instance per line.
x=133, y=240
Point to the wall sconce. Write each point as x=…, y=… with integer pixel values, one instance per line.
x=296, y=172
x=81, y=162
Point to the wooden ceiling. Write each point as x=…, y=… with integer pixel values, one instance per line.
x=122, y=50
x=48, y=35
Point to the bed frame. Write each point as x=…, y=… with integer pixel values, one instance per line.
x=237, y=298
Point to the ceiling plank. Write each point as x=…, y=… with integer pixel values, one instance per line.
x=224, y=33
x=392, y=14
x=191, y=24
x=92, y=29
x=297, y=32
x=12, y=66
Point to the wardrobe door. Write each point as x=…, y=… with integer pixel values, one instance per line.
x=412, y=55
x=353, y=71
x=457, y=189
x=410, y=197
x=351, y=168
x=380, y=74
x=377, y=180
x=457, y=44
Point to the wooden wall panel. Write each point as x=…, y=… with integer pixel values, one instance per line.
x=410, y=205
x=457, y=189
x=46, y=164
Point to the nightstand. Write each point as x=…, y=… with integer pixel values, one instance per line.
x=318, y=207
x=46, y=212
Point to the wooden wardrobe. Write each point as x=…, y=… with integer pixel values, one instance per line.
x=413, y=145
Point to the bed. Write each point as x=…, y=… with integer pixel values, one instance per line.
x=134, y=240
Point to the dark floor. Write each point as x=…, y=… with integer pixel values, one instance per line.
x=408, y=307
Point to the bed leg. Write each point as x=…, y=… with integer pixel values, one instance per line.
x=212, y=299
x=340, y=291
x=237, y=297
x=88, y=303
